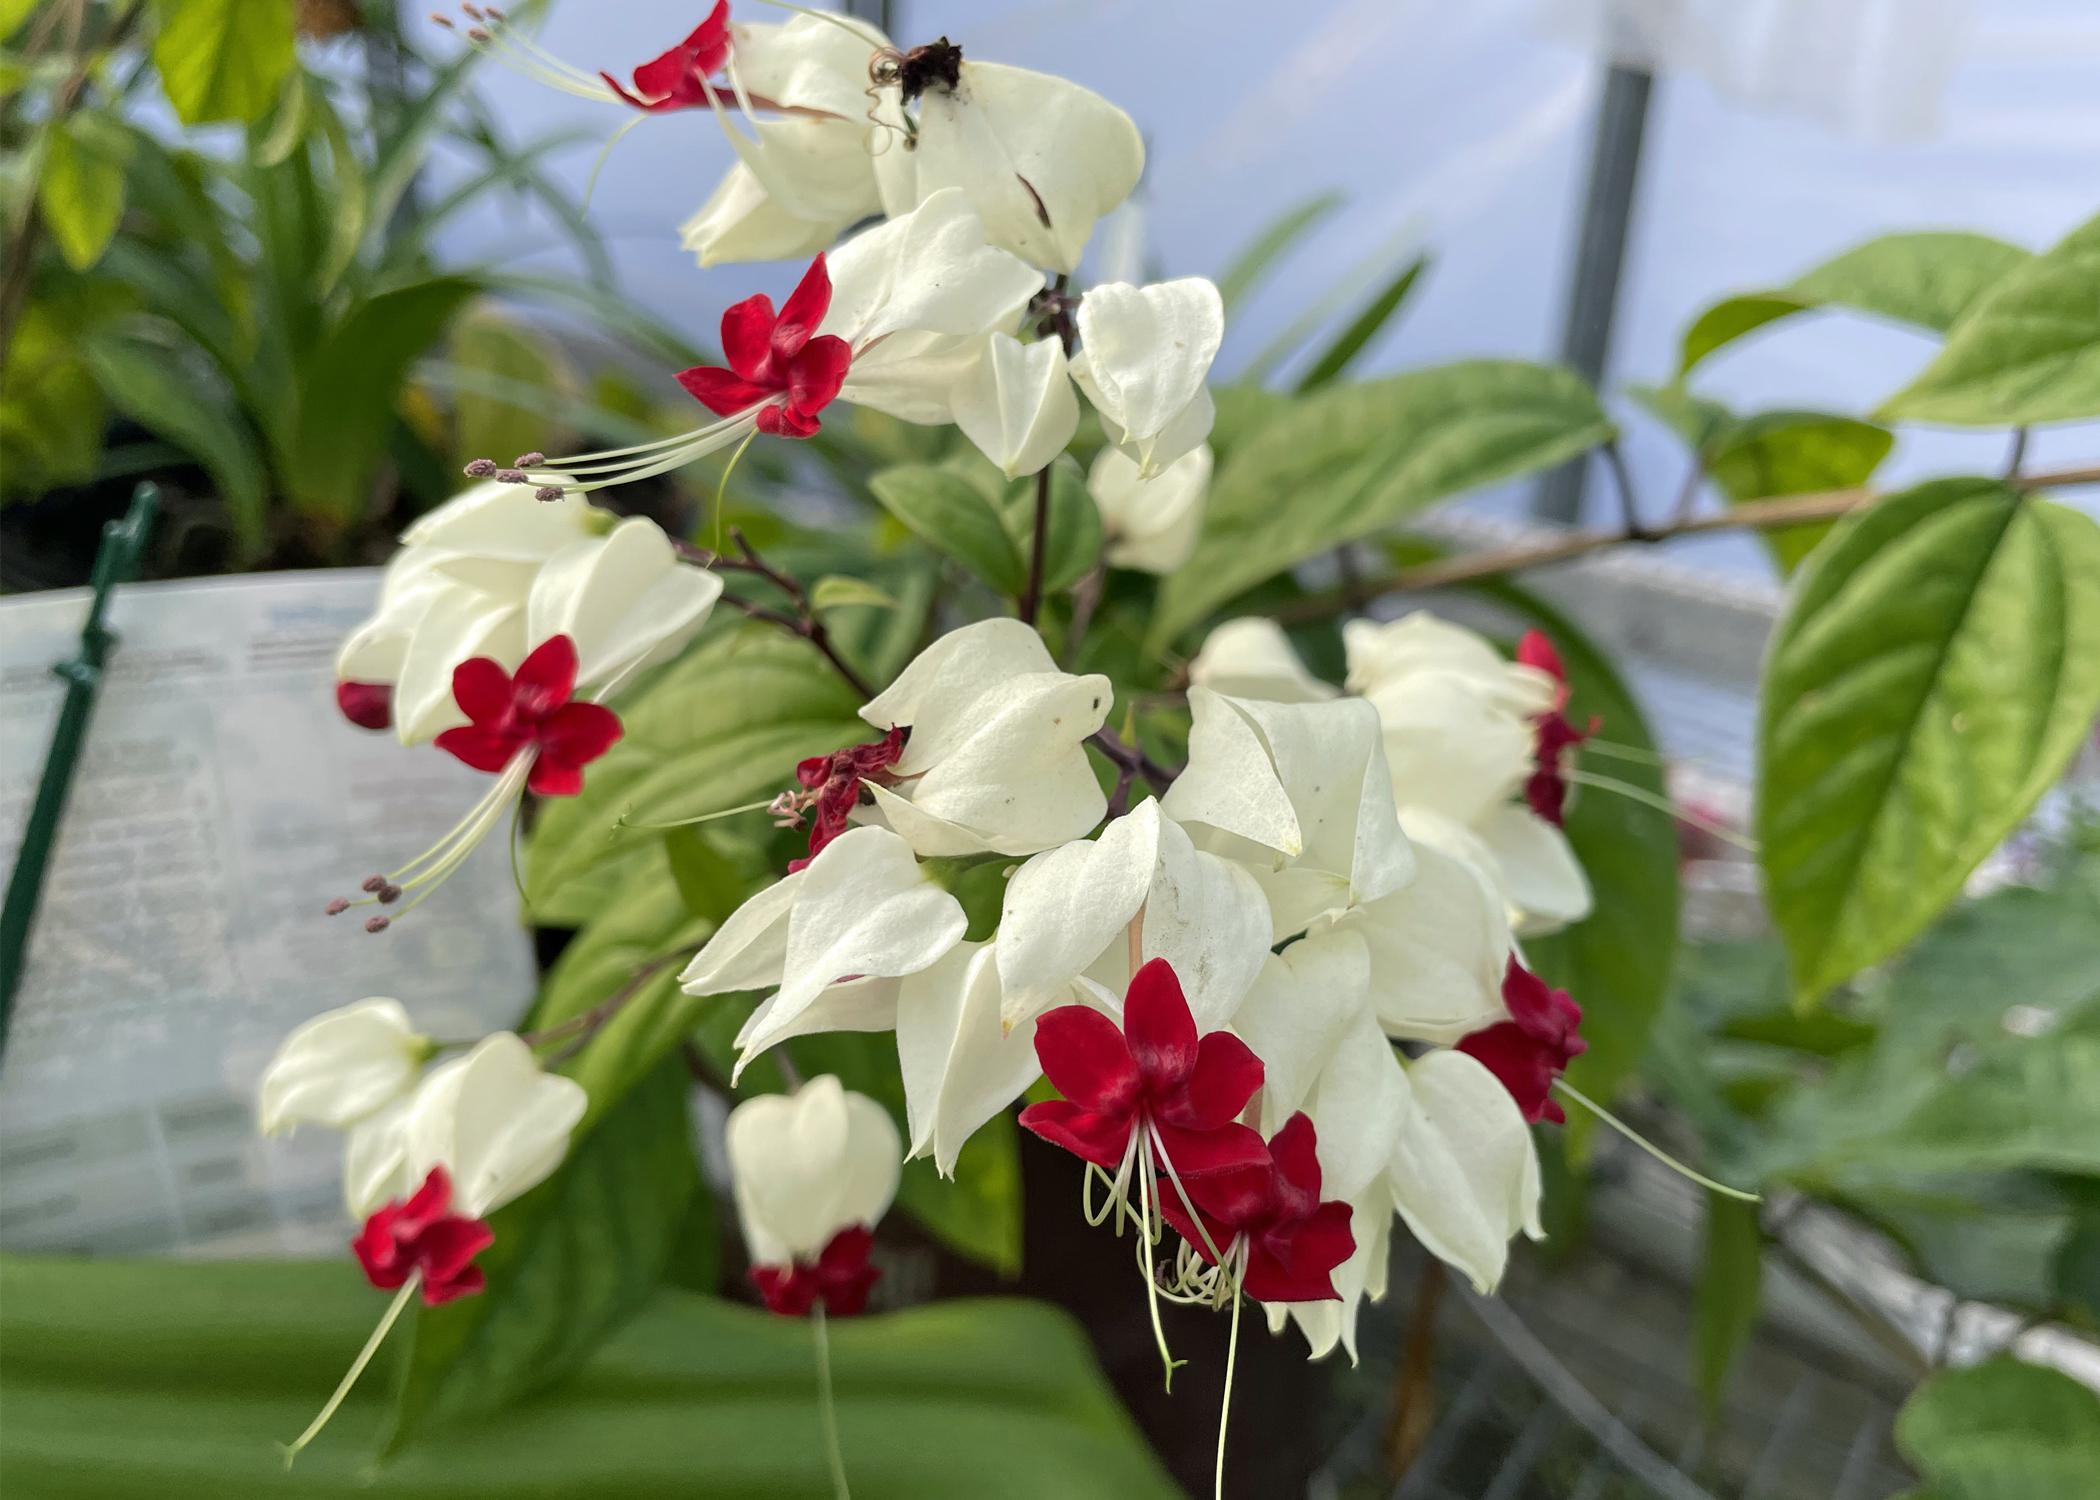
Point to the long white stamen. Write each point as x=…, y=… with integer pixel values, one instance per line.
x=623, y=821
x=393, y=1313
x=827, y=1405
x=1232, y=1353
x=1563, y=1086
x=1146, y=1239
x=1661, y=804
x=1189, y=1208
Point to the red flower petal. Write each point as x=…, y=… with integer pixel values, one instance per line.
x=578, y=733
x=708, y=43
x=1202, y=1153
x=1297, y=1264
x=1100, y=1139
x=483, y=749
x=465, y=1284
x=787, y=1290
x=368, y=705
x=551, y=778
x=1224, y=1078
x=664, y=74
x=801, y=313
x=1535, y=649
x=482, y=690
x=1161, y=1032
x=747, y=340
x=815, y=375
x=785, y=421
x=545, y=679
x=723, y=392
x=1295, y=1150
x=647, y=106
x=1087, y=1059
x=1238, y=1199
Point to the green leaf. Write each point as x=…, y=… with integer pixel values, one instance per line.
x=1927, y=280
x=81, y=189
x=2003, y=1431
x=1935, y=672
x=1795, y=453
x=1340, y=354
x=146, y=385
x=488, y=426
x=1724, y=1311
x=347, y=389
x=1075, y=525
x=722, y=726
x=1253, y=264
x=178, y=1379
x=2026, y=351
x=1352, y=460
x=953, y=516
x=52, y=412
x=571, y=1261
x=222, y=59
x=1616, y=962
x=835, y=591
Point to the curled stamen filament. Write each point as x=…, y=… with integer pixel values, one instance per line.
x=297, y=1445
x=428, y=870
x=1661, y=804
x=1570, y=1091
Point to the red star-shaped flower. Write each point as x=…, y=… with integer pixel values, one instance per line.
x=422, y=1236
x=530, y=710
x=677, y=79
x=1534, y=1046
x=841, y=1277
x=1546, y=789
x=836, y=779
x=776, y=355
x=1152, y=1073
x=1293, y=1241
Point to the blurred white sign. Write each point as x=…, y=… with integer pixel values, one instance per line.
x=219, y=803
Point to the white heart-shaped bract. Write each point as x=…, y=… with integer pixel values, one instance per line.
x=1465, y=1172
x=807, y=1165
x=340, y=1067
x=1251, y=657
x=625, y=599
x=1151, y=525
x=1017, y=404
x=1148, y=352
x=960, y=1064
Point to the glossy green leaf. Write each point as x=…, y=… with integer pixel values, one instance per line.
x=954, y=517
x=2026, y=351
x=1938, y=667
x=179, y=1379
x=2003, y=1431
x=1926, y=280
x=836, y=591
x=80, y=191
x=348, y=385
x=221, y=59
x=1794, y=453
x=572, y=1260
x=1725, y=1303
x=1352, y=460
x=722, y=726
x=1272, y=243
x=1336, y=358
x=153, y=390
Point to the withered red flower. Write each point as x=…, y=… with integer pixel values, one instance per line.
x=1534, y=1046
x=533, y=708
x=776, y=355
x=1152, y=1073
x=421, y=1235
x=1292, y=1240
x=677, y=78
x=836, y=779
x=840, y=1277
x=1546, y=789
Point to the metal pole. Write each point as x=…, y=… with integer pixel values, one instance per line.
x=1593, y=291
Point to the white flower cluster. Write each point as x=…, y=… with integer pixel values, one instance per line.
x=1289, y=830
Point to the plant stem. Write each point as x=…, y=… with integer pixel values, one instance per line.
x=1131, y=760
x=1031, y=600
x=1763, y=515
x=803, y=622
x=583, y=1026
